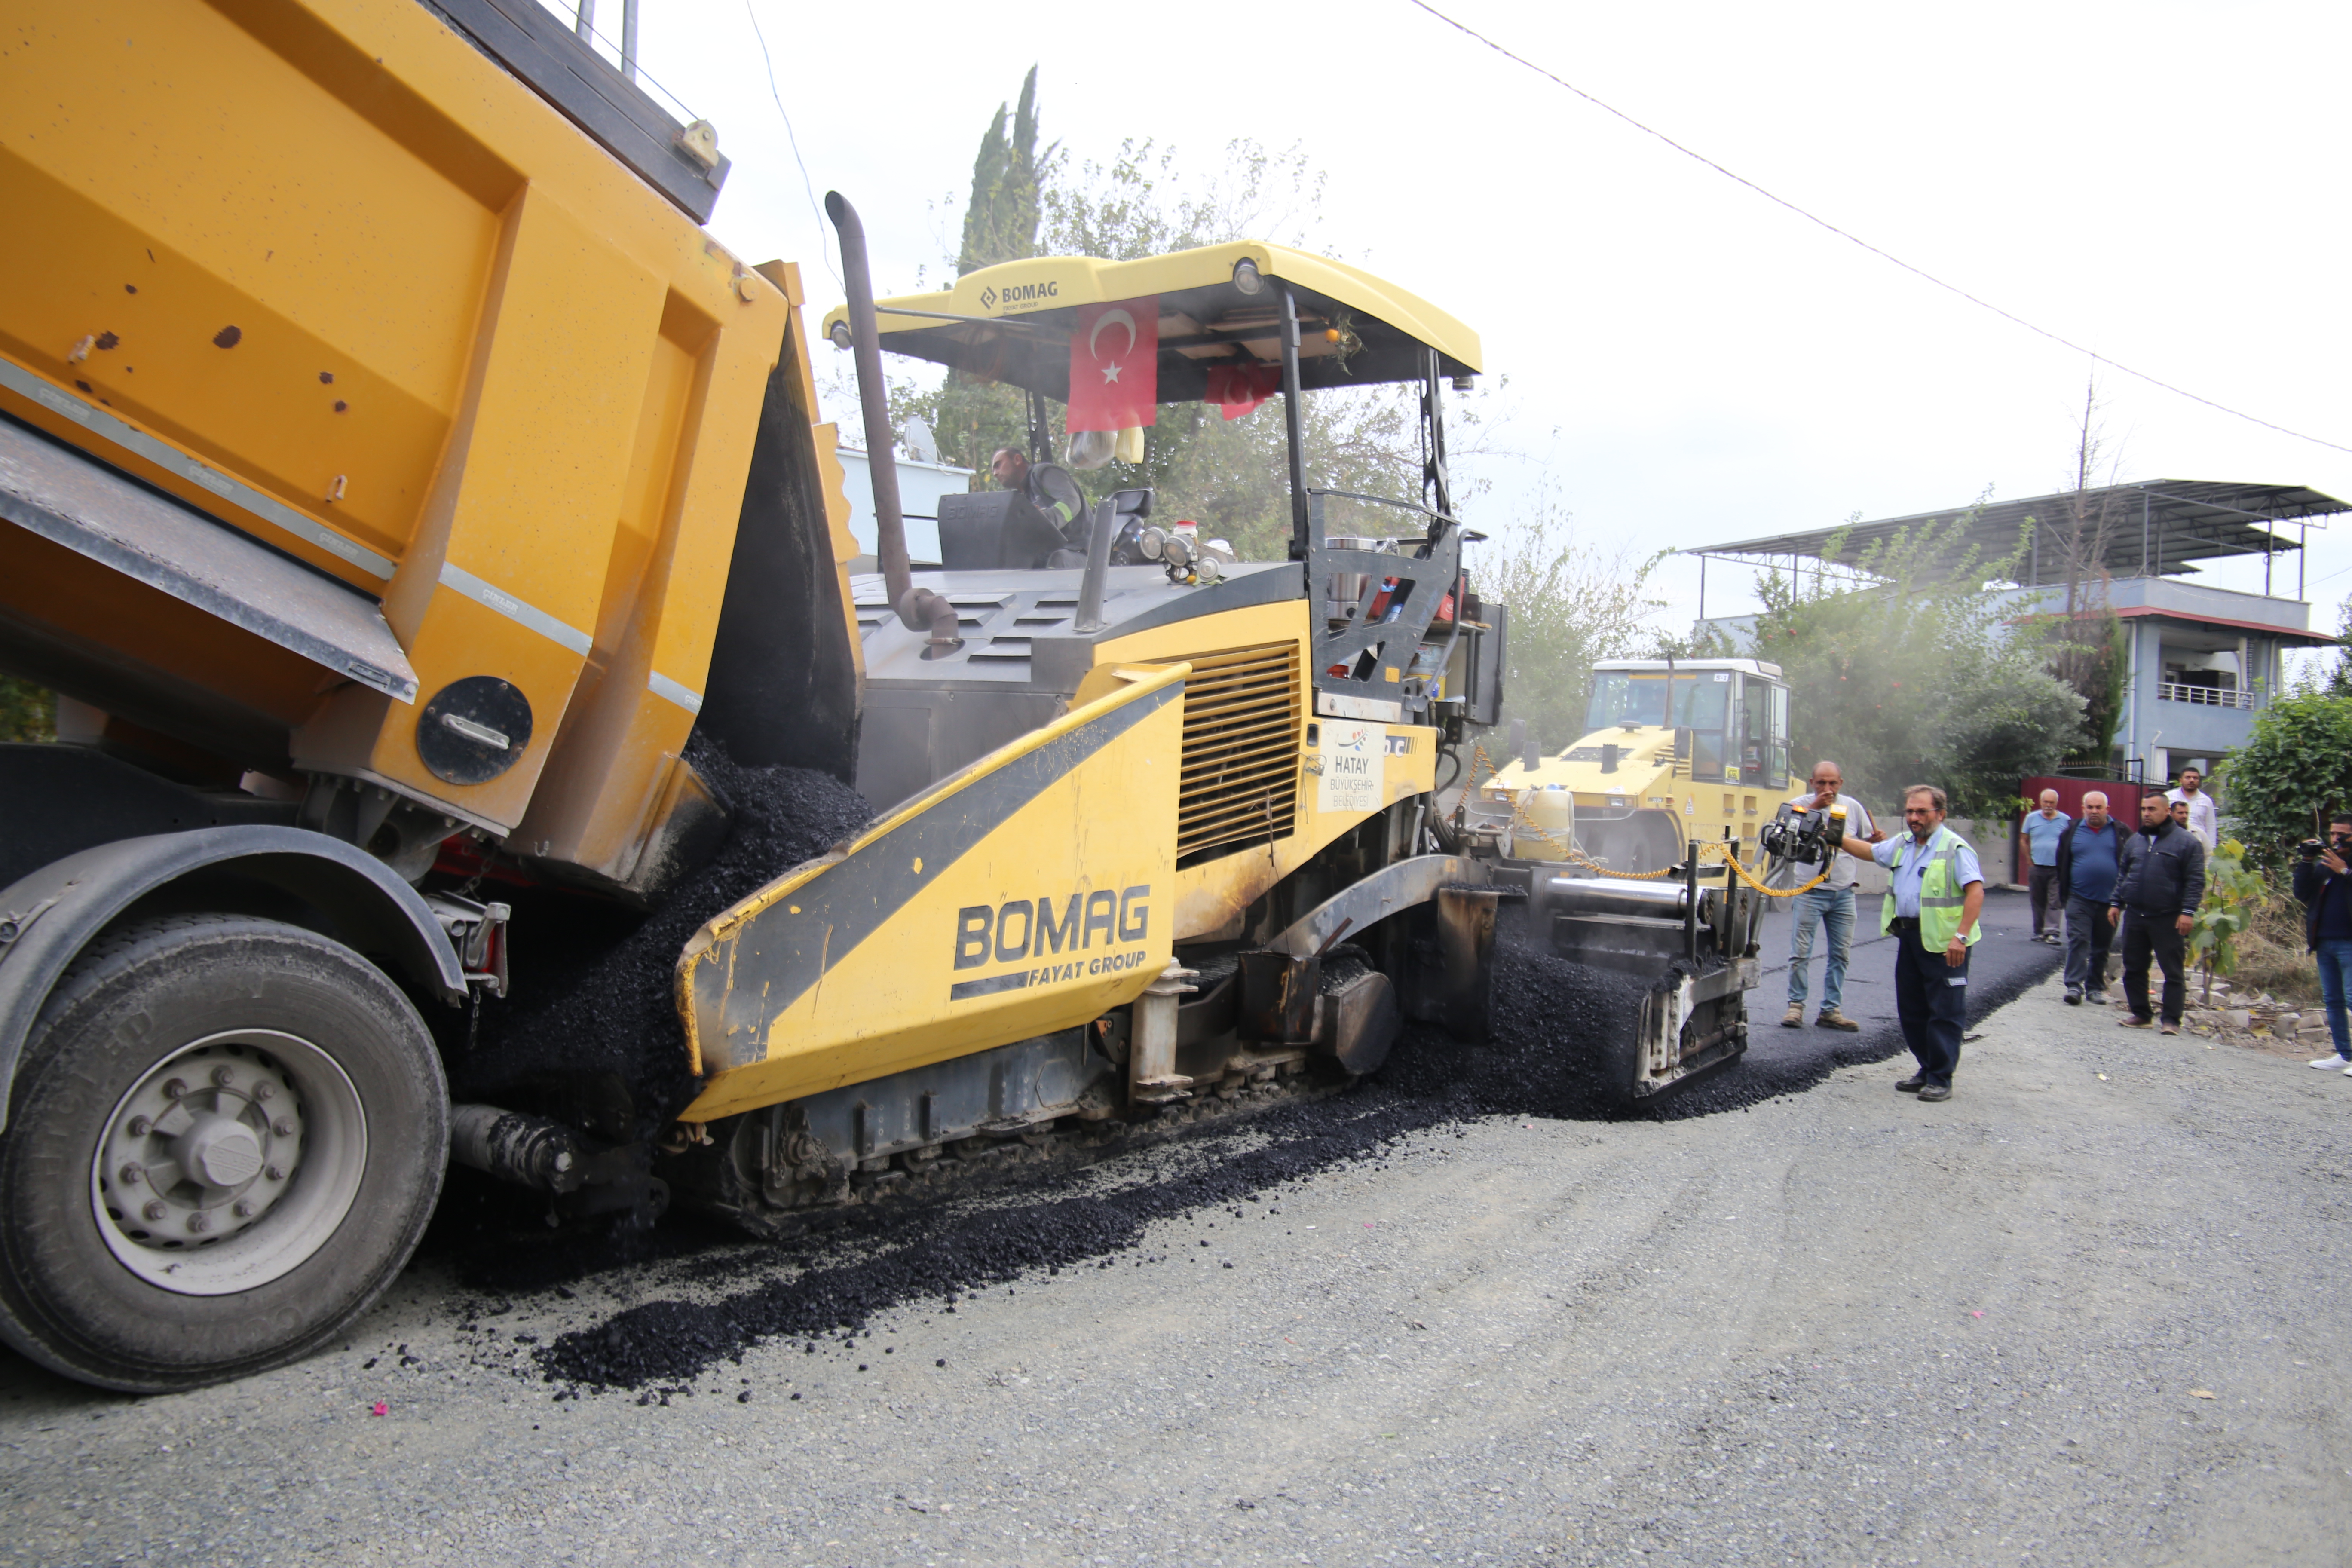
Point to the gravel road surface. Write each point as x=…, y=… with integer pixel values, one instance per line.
x=2079, y=1314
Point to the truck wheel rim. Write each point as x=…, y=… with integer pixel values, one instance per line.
x=229, y=1164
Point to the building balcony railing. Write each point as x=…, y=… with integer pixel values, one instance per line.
x=2209, y=696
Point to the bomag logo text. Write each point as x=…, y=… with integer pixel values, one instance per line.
x=1036, y=928
x=1021, y=296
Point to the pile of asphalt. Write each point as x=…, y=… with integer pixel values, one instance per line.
x=592, y=999
x=808, y=1290
x=1551, y=1024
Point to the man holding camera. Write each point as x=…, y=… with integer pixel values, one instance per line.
x=2322, y=882
x=1829, y=906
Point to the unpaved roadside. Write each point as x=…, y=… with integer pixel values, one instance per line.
x=1835, y=1327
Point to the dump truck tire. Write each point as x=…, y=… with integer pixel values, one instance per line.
x=228, y=1136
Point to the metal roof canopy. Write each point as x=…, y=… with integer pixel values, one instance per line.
x=2155, y=528
x=1012, y=322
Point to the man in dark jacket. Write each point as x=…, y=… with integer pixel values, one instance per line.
x=2324, y=886
x=1048, y=486
x=2160, y=885
x=2089, y=861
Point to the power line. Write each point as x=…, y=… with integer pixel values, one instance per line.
x=824, y=251
x=1856, y=239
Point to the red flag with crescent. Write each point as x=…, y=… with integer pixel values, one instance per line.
x=1238, y=389
x=1114, y=365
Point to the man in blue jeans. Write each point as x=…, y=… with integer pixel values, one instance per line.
x=2324, y=886
x=1829, y=907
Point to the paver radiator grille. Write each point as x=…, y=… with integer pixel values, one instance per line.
x=1240, y=778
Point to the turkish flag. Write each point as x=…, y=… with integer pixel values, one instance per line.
x=1114, y=365
x=1238, y=389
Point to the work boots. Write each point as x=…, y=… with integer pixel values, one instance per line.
x=1831, y=1018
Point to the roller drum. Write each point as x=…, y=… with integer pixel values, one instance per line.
x=1610, y=896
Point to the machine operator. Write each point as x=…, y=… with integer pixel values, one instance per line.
x=1048, y=486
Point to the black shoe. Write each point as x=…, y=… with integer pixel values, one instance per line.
x=2073, y=998
x=1933, y=1091
x=1911, y=1085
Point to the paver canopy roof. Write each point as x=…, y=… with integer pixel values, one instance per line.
x=1012, y=322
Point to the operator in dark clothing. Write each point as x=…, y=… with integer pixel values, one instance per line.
x=2089, y=861
x=2324, y=886
x=1048, y=486
x=2162, y=881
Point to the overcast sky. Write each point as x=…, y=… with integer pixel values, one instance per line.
x=1688, y=363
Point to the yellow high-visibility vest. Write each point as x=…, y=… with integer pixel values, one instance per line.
x=1941, y=892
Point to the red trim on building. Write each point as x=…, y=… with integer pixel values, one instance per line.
x=2285, y=634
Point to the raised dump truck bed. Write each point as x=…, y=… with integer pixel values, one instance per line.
x=385, y=464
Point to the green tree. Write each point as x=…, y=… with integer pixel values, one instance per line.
x=2086, y=643
x=2296, y=770
x=1570, y=606
x=2336, y=680
x=999, y=222
x=1903, y=667
x=2091, y=652
x=971, y=415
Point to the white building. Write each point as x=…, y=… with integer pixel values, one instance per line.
x=2204, y=660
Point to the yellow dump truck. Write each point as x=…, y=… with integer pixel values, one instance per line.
x=395, y=477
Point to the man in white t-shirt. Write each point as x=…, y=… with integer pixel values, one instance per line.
x=1829, y=906
x=2204, y=816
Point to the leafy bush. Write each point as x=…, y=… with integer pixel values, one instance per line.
x=2297, y=769
x=1571, y=605
x=2232, y=892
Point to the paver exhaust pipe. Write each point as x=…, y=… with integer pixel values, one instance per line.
x=918, y=607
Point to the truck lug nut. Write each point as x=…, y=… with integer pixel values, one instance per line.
x=156, y=1209
x=199, y=1223
x=273, y=1172
x=283, y=1127
x=242, y=1208
x=130, y=1173
x=140, y=1126
x=177, y=1088
x=265, y=1089
x=223, y=1074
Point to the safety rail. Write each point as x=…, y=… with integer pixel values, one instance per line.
x=2208, y=696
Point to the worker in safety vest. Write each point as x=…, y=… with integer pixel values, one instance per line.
x=1933, y=898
